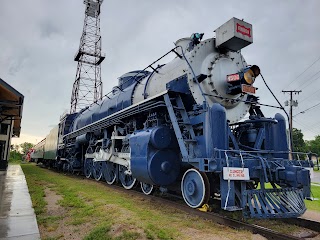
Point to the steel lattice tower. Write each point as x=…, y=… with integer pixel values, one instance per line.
x=87, y=87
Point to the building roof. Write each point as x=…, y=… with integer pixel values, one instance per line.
x=11, y=104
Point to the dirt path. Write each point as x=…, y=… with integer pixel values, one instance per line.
x=56, y=223
x=312, y=215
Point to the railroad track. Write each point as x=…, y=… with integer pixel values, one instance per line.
x=301, y=222
x=223, y=220
x=218, y=218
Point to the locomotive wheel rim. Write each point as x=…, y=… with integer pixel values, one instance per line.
x=97, y=170
x=146, y=188
x=195, y=188
x=88, y=167
x=127, y=181
x=109, y=170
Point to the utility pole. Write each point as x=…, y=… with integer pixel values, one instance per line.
x=292, y=104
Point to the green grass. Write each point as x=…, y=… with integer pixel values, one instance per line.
x=160, y=234
x=266, y=186
x=108, y=214
x=14, y=161
x=36, y=191
x=314, y=205
x=15, y=157
x=127, y=235
x=101, y=233
x=48, y=220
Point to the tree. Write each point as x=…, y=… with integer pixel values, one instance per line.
x=25, y=147
x=15, y=147
x=314, y=145
x=299, y=144
x=15, y=155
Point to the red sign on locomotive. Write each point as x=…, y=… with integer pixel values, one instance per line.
x=243, y=30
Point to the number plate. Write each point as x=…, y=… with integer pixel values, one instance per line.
x=233, y=77
x=248, y=89
x=233, y=173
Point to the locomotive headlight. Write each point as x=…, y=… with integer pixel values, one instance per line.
x=242, y=81
x=251, y=74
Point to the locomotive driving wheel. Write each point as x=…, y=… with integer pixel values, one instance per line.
x=88, y=164
x=195, y=188
x=73, y=168
x=126, y=179
x=146, y=188
x=109, y=170
x=97, y=170
x=97, y=166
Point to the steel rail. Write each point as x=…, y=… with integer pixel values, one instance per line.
x=302, y=222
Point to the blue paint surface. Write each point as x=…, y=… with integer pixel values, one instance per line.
x=150, y=162
x=120, y=98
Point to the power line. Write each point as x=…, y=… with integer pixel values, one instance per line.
x=306, y=84
x=304, y=71
x=310, y=95
x=310, y=80
x=307, y=109
x=305, y=127
x=313, y=94
x=313, y=126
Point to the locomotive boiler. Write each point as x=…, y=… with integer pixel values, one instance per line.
x=179, y=127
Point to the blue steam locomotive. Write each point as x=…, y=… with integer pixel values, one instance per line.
x=178, y=127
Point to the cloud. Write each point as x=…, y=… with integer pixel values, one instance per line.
x=26, y=138
x=40, y=37
x=17, y=64
x=47, y=29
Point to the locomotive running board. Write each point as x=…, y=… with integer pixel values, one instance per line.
x=273, y=203
x=146, y=105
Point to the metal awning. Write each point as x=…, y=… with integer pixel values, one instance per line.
x=11, y=103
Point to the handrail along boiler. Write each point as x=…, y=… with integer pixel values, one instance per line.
x=178, y=127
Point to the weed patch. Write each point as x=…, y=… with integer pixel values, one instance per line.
x=101, y=233
x=126, y=235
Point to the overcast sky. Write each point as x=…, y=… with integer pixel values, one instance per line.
x=40, y=37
